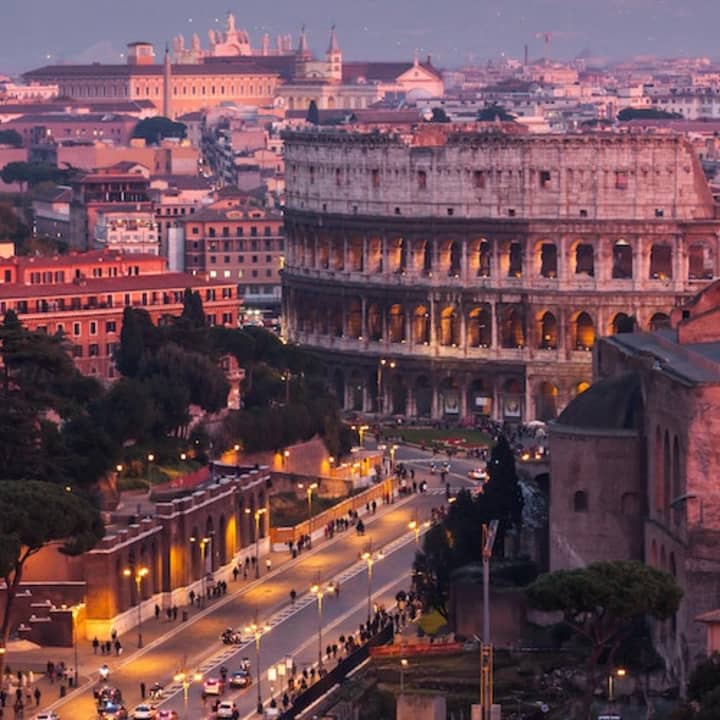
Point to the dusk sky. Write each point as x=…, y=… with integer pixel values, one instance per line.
x=452, y=30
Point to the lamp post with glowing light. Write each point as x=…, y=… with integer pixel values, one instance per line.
x=186, y=679
x=257, y=631
x=319, y=592
x=204, y=542
x=309, y=491
x=620, y=673
x=391, y=364
x=370, y=559
x=138, y=574
x=257, y=515
x=403, y=667
x=75, y=613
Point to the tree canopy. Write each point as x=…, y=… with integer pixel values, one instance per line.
x=32, y=515
x=456, y=541
x=492, y=112
x=30, y=174
x=313, y=115
x=602, y=602
x=631, y=113
x=156, y=129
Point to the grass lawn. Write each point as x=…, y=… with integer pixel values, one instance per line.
x=286, y=509
x=430, y=435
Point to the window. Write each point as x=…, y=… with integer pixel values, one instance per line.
x=226, y=232
x=77, y=351
x=253, y=231
x=76, y=329
x=545, y=178
x=211, y=232
x=195, y=231
x=213, y=259
x=93, y=350
x=422, y=180
x=254, y=258
x=254, y=273
x=93, y=328
x=238, y=232
x=375, y=178
x=226, y=259
x=479, y=179
x=621, y=180
x=268, y=245
x=254, y=245
x=110, y=326
x=268, y=273
x=268, y=231
x=268, y=258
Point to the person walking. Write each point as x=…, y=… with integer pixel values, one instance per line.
x=95, y=645
x=268, y=565
x=293, y=597
x=157, y=611
x=142, y=690
x=37, y=695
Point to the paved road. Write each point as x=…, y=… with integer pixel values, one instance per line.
x=193, y=645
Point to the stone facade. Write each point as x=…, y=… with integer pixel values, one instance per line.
x=651, y=493
x=458, y=272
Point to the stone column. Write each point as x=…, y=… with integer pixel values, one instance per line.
x=363, y=321
x=463, y=329
x=385, y=267
x=364, y=261
x=434, y=410
x=463, y=398
x=408, y=326
x=433, y=336
x=346, y=260
x=464, y=273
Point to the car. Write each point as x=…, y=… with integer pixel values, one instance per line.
x=240, y=679
x=46, y=716
x=107, y=694
x=111, y=711
x=225, y=709
x=478, y=474
x=213, y=686
x=144, y=712
x=167, y=715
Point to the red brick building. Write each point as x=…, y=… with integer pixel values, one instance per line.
x=84, y=296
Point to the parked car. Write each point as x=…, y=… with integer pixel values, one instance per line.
x=111, y=711
x=46, y=716
x=167, y=715
x=479, y=473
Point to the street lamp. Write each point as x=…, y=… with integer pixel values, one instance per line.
x=319, y=592
x=204, y=542
x=382, y=363
x=416, y=526
x=187, y=679
x=403, y=666
x=139, y=575
x=257, y=515
x=620, y=673
x=257, y=631
x=75, y=613
x=309, y=491
x=370, y=559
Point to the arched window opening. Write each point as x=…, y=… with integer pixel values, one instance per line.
x=421, y=325
x=548, y=260
x=700, y=262
x=622, y=268
x=660, y=262
x=659, y=321
x=485, y=259
x=396, y=329
x=480, y=328
x=584, y=260
x=515, y=260
x=546, y=401
x=513, y=329
x=622, y=323
x=548, y=332
x=584, y=332
x=449, y=328
x=455, y=259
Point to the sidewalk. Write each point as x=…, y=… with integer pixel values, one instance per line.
x=153, y=631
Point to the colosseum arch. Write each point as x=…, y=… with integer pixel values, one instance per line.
x=450, y=327
x=479, y=327
x=548, y=332
x=584, y=332
x=449, y=396
x=661, y=262
x=374, y=322
x=659, y=320
x=427, y=258
x=512, y=328
x=356, y=258
x=337, y=257
x=354, y=319
x=701, y=263
x=546, y=259
x=479, y=258
x=398, y=395
x=337, y=319
x=397, y=255
x=423, y=394
x=375, y=254
x=324, y=252
x=621, y=323
x=514, y=259
x=622, y=266
x=324, y=318
x=356, y=391
x=421, y=325
x=546, y=398
x=580, y=387
x=396, y=323
x=584, y=256
x=479, y=398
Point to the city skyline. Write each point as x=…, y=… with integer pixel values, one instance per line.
x=454, y=34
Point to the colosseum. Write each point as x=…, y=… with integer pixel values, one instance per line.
x=457, y=273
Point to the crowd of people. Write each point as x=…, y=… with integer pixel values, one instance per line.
x=19, y=691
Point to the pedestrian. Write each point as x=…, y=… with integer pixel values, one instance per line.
x=113, y=634
x=268, y=565
x=157, y=611
x=236, y=572
x=337, y=590
x=174, y=612
x=293, y=596
x=95, y=645
x=108, y=647
x=118, y=647
x=168, y=613
x=142, y=690
x=191, y=595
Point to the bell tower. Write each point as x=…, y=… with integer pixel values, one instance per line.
x=333, y=57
